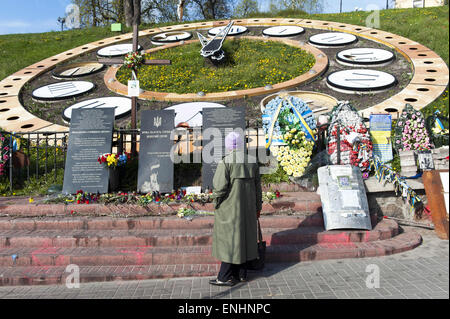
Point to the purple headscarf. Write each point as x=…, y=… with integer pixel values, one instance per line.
x=234, y=141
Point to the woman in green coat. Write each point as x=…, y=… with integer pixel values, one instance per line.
x=238, y=204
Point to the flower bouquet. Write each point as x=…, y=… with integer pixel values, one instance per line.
x=437, y=127
x=4, y=154
x=113, y=160
x=354, y=138
x=290, y=129
x=133, y=60
x=410, y=132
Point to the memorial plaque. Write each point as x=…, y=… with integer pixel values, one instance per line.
x=343, y=196
x=90, y=136
x=226, y=120
x=155, y=165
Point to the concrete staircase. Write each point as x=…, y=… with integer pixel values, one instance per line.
x=37, y=250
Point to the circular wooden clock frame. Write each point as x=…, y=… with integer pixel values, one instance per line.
x=429, y=80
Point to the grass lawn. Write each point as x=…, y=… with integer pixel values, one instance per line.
x=249, y=64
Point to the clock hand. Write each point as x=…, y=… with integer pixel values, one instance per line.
x=334, y=36
x=365, y=74
x=74, y=72
x=336, y=39
x=65, y=94
x=95, y=102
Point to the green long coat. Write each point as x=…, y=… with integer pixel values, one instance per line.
x=237, y=198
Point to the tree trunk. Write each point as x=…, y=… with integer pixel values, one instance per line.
x=94, y=13
x=132, y=10
x=137, y=12
x=128, y=12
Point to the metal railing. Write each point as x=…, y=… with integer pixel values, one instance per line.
x=36, y=154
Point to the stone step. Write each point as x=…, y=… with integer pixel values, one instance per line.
x=147, y=223
x=123, y=256
x=56, y=275
x=205, y=266
x=183, y=237
x=306, y=202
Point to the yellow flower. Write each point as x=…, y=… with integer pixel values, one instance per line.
x=31, y=200
x=111, y=160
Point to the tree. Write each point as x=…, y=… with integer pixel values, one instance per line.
x=245, y=8
x=162, y=11
x=100, y=12
x=213, y=9
x=310, y=6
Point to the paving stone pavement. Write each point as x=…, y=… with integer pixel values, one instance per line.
x=422, y=273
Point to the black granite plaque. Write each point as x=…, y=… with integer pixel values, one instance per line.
x=90, y=136
x=155, y=165
x=225, y=120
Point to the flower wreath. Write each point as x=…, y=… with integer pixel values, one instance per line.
x=410, y=132
x=133, y=60
x=355, y=143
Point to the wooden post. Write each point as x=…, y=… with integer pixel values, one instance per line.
x=434, y=190
x=134, y=99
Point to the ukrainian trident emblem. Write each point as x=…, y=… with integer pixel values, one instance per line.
x=157, y=121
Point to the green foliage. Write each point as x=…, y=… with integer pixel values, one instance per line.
x=250, y=64
x=280, y=176
x=245, y=8
x=296, y=5
x=35, y=186
x=32, y=48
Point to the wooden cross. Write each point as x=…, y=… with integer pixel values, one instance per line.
x=109, y=61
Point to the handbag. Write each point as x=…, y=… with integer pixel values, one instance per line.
x=258, y=263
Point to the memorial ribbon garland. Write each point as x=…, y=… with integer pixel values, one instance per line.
x=290, y=130
x=306, y=119
x=385, y=172
x=355, y=145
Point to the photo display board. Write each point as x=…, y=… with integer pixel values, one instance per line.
x=90, y=136
x=343, y=197
x=155, y=165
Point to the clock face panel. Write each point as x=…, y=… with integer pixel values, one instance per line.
x=346, y=54
x=235, y=30
x=332, y=39
x=361, y=80
x=191, y=113
x=77, y=70
x=121, y=105
x=62, y=90
x=283, y=31
x=170, y=37
x=365, y=57
x=116, y=50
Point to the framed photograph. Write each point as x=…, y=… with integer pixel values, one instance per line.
x=425, y=159
x=344, y=182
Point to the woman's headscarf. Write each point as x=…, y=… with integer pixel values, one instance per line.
x=234, y=141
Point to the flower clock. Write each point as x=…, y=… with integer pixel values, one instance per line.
x=290, y=129
x=133, y=60
x=113, y=160
x=410, y=132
